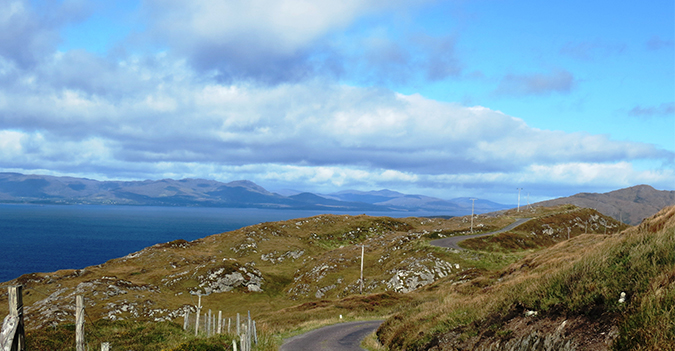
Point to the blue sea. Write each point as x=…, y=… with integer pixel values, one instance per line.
x=46, y=238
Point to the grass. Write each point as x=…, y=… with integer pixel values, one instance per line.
x=496, y=280
x=125, y=335
x=371, y=343
x=581, y=277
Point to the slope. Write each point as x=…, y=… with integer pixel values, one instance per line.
x=592, y=292
x=629, y=205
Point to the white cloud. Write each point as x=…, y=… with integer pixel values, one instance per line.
x=155, y=117
x=269, y=40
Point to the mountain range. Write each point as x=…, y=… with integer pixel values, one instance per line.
x=20, y=188
x=629, y=205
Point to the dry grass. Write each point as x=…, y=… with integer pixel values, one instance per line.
x=583, y=276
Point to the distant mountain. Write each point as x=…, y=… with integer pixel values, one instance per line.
x=20, y=188
x=401, y=201
x=629, y=205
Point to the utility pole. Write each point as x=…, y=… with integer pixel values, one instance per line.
x=528, y=200
x=473, y=202
x=363, y=248
x=519, y=189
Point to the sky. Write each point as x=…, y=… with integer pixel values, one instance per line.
x=442, y=98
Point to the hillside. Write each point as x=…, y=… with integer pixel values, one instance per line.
x=592, y=292
x=395, y=199
x=630, y=205
x=309, y=268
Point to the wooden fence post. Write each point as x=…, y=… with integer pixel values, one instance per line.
x=220, y=322
x=208, y=323
x=186, y=317
x=238, y=325
x=255, y=334
x=16, y=333
x=199, y=315
x=79, y=323
x=249, y=329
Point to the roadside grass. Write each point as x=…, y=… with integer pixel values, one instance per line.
x=371, y=343
x=126, y=335
x=583, y=276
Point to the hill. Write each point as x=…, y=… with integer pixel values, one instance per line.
x=295, y=272
x=395, y=199
x=592, y=292
x=629, y=205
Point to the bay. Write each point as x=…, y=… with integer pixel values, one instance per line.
x=46, y=238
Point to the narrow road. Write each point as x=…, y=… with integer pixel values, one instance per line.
x=452, y=241
x=336, y=337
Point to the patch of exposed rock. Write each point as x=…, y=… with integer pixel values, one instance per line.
x=222, y=279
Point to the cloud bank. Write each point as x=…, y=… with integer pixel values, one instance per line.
x=160, y=118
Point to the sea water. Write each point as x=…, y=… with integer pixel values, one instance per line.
x=46, y=238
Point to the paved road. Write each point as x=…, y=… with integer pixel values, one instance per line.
x=452, y=241
x=342, y=337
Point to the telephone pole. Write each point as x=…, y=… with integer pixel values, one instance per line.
x=473, y=202
x=363, y=248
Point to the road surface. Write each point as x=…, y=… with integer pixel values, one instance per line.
x=342, y=337
x=452, y=241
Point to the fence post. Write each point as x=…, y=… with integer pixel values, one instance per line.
x=15, y=300
x=105, y=346
x=79, y=323
x=249, y=329
x=186, y=317
x=208, y=323
x=242, y=342
x=220, y=322
x=199, y=314
x=238, y=325
x=255, y=334
x=229, y=323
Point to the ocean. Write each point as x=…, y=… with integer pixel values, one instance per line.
x=46, y=238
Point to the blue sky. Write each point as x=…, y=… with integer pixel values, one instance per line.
x=442, y=98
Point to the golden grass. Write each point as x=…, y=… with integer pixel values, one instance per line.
x=580, y=276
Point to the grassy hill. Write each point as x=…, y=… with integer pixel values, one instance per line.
x=629, y=205
x=298, y=274
x=592, y=292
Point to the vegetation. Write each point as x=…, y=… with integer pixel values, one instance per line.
x=580, y=280
x=531, y=281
